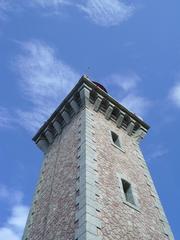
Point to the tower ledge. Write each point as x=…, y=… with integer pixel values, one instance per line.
x=84, y=93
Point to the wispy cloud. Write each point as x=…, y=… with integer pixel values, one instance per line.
x=157, y=152
x=126, y=82
x=174, y=94
x=107, y=12
x=8, y=6
x=125, y=88
x=101, y=12
x=45, y=80
x=4, y=7
x=104, y=13
x=5, y=118
x=10, y=196
x=13, y=227
x=51, y=3
x=137, y=104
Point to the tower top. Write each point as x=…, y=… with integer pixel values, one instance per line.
x=94, y=182
x=85, y=92
x=100, y=86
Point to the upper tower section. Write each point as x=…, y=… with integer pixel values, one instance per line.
x=84, y=93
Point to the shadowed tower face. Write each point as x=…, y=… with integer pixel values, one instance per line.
x=94, y=183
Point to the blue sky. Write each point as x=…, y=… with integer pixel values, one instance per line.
x=131, y=47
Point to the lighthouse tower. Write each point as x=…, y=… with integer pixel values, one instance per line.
x=94, y=183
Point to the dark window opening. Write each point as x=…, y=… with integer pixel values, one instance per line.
x=115, y=139
x=128, y=192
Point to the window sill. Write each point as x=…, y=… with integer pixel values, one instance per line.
x=120, y=148
x=131, y=205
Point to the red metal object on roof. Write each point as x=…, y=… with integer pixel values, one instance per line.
x=100, y=86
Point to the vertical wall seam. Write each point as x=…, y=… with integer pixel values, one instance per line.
x=87, y=178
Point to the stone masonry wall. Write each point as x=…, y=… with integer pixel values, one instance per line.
x=79, y=195
x=52, y=216
x=119, y=220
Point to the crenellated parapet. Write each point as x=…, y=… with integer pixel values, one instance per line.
x=87, y=93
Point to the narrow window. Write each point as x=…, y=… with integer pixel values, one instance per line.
x=128, y=191
x=115, y=139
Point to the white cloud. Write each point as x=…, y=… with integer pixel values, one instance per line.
x=137, y=104
x=18, y=217
x=175, y=94
x=13, y=227
x=45, y=81
x=107, y=12
x=7, y=233
x=126, y=82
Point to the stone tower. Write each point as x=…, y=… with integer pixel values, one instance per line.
x=94, y=183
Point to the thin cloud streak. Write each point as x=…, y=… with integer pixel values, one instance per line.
x=107, y=13
x=45, y=81
x=4, y=193
x=104, y=13
x=6, y=120
x=9, y=195
x=174, y=94
x=157, y=152
x=50, y=3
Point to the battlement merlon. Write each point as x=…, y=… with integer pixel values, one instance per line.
x=85, y=92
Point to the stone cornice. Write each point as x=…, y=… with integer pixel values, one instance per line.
x=86, y=92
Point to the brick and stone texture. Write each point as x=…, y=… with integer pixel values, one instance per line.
x=52, y=216
x=120, y=221
x=54, y=212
